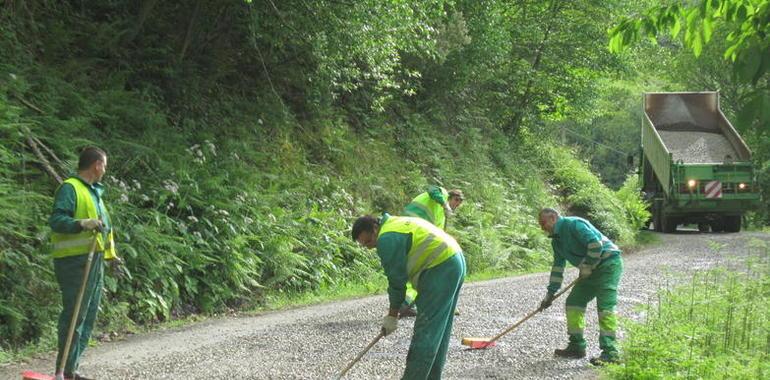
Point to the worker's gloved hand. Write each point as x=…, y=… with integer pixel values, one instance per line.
x=448, y=210
x=91, y=224
x=585, y=271
x=547, y=301
x=389, y=324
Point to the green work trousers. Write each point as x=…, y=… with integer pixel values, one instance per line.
x=439, y=289
x=603, y=285
x=69, y=274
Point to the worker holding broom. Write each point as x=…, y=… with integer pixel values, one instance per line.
x=411, y=249
x=577, y=241
x=79, y=216
x=435, y=206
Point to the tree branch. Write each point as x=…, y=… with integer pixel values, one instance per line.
x=50, y=153
x=28, y=104
x=46, y=165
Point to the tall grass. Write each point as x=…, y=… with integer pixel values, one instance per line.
x=716, y=326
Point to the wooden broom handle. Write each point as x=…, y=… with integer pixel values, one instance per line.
x=530, y=315
x=76, y=311
x=361, y=354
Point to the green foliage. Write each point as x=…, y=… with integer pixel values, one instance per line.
x=584, y=195
x=605, y=134
x=637, y=214
x=24, y=274
x=714, y=327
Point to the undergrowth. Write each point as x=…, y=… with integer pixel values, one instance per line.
x=715, y=326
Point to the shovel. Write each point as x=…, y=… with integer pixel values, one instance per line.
x=477, y=343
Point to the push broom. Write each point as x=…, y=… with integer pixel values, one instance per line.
x=477, y=343
x=31, y=375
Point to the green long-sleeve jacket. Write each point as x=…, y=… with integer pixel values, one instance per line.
x=62, y=220
x=576, y=240
x=392, y=248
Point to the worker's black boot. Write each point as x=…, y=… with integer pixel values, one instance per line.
x=571, y=352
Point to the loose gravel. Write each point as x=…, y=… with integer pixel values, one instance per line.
x=698, y=147
x=316, y=342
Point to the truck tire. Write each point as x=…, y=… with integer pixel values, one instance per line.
x=718, y=225
x=668, y=224
x=656, y=222
x=732, y=223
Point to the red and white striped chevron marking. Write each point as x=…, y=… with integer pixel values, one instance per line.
x=713, y=189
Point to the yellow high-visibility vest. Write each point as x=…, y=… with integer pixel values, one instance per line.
x=431, y=246
x=423, y=206
x=65, y=245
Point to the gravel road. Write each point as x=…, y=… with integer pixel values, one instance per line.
x=317, y=341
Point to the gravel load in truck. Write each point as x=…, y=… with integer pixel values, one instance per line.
x=693, y=147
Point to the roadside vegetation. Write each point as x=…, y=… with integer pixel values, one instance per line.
x=714, y=326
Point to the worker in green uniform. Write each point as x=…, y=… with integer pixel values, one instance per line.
x=577, y=241
x=435, y=206
x=78, y=216
x=411, y=249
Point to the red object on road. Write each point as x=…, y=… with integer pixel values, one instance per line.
x=32, y=375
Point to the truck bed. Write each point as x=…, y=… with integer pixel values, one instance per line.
x=693, y=129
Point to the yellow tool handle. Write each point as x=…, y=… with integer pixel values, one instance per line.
x=361, y=354
x=76, y=311
x=530, y=315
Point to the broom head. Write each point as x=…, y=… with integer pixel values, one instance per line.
x=32, y=375
x=478, y=343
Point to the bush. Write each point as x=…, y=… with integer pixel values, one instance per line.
x=582, y=194
x=637, y=213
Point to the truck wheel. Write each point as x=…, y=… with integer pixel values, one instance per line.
x=668, y=224
x=732, y=223
x=718, y=225
x=703, y=227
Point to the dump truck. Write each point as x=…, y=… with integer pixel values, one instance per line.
x=695, y=168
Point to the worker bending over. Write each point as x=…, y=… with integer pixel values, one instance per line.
x=411, y=249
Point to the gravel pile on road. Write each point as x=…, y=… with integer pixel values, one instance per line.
x=316, y=342
x=698, y=147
